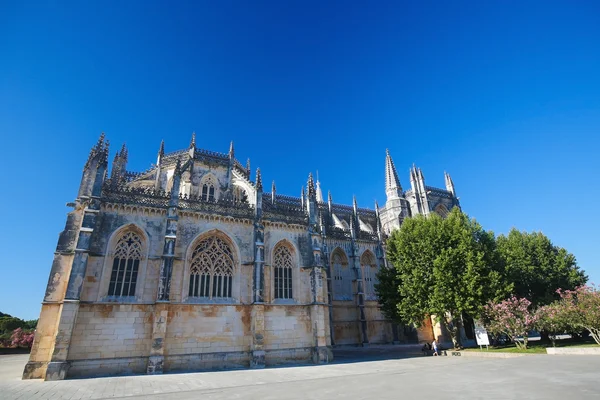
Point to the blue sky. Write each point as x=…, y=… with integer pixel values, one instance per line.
x=505, y=96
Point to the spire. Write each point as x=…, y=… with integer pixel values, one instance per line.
x=376, y=208
x=231, y=152
x=319, y=192
x=449, y=183
x=302, y=197
x=329, y=200
x=104, y=153
x=193, y=141
x=248, y=167
x=310, y=186
x=259, y=185
x=124, y=153
x=273, y=192
x=392, y=183
x=354, y=205
x=96, y=150
x=161, y=150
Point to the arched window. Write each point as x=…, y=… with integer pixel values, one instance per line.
x=441, y=210
x=126, y=265
x=282, y=267
x=208, y=188
x=211, y=269
x=342, y=281
x=369, y=269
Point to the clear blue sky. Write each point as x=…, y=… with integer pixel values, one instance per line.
x=505, y=96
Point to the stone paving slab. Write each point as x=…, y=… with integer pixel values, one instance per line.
x=534, y=377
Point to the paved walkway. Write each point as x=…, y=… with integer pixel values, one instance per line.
x=531, y=377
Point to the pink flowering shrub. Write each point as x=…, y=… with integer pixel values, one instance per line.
x=554, y=319
x=511, y=317
x=581, y=308
x=21, y=338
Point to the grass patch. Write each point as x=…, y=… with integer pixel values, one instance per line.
x=535, y=347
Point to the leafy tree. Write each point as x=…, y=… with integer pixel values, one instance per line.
x=444, y=267
x=9, y=324
x=387, y=290
x=511, y=317
x=536, y=268
x=553, y=319
x=581, y=309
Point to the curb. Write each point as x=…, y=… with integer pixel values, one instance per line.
x=485, y=355
x=579, y=351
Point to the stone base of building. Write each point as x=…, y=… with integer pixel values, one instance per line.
x=56, y=371
x=35, y=370
x=177, y=363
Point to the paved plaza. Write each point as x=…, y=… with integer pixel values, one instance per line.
x=356, y=375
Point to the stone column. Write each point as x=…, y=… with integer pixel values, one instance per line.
x=159, y=330
x=321, y=352
x=257, y=357
x=360, y=295
x=161, y=311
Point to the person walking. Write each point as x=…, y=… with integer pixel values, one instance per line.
x=435, y=347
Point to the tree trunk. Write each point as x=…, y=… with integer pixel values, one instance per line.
x=453, y=325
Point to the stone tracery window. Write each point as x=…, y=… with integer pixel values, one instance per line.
x=369, y=269
x=126, y=264
x=442, y=210
x=342, y=281
x=208, y=188
x=211, y=270
x=283, y=266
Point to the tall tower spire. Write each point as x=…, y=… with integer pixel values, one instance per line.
x=248, y=167
x=193, y=141
x=392, y=182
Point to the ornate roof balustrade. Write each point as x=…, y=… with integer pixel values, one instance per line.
x=338, y=233
x=134, y=195
x=221, y=206
x=370, y=236
x=286, y=208
x=439, y=192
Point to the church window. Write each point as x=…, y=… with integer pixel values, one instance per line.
x=211, y=272
x=126, y=264
x=282, y=267
x=369, y=269
x=442, y=211
x=342, y=281
x=208, y=189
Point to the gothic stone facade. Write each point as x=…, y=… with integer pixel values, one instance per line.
x=191, y=265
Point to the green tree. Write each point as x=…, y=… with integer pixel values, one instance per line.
x=443, y=267
x=536, y=268
x=9, y=324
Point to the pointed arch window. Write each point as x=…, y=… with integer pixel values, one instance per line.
x=342, y=281
x=369, y=269
x=211, y=270
x=126, y=265
x=282, y=267
x=208, y=189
